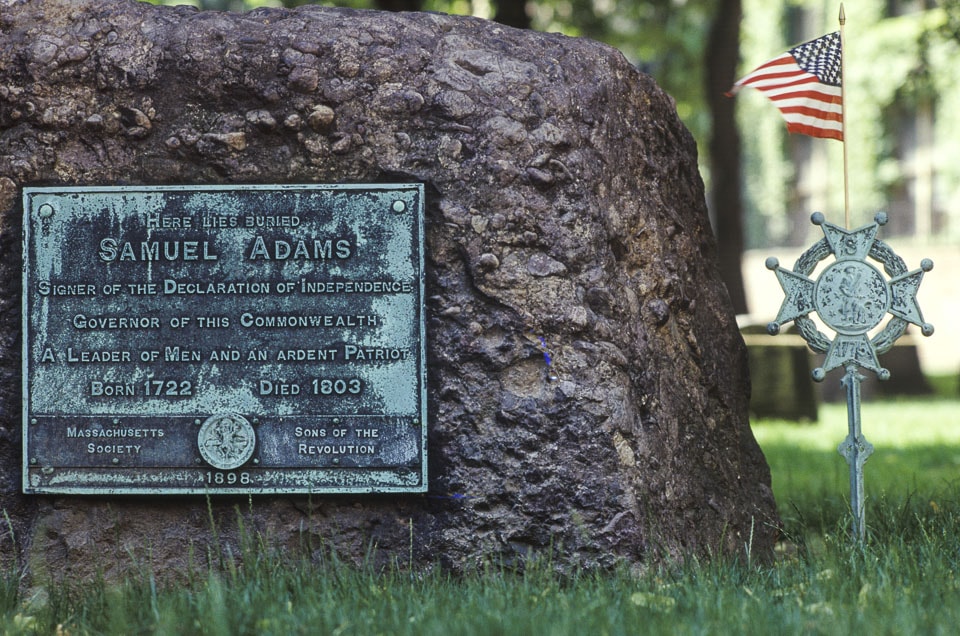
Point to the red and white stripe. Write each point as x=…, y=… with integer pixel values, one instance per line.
x=809, y=106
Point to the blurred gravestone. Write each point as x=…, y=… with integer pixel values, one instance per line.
x=587, y=386
x=781, y=384
x=906, y=375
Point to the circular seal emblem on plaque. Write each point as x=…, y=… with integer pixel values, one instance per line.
x=226, y=441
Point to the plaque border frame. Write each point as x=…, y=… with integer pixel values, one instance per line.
x=382, y=476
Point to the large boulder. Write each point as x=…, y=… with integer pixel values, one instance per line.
x=588, y=388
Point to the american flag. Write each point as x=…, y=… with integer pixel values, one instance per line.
x=804, y=83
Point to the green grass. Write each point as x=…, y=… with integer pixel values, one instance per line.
x=905, y=580
x=916, y=457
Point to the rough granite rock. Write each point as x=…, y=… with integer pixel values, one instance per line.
x=564, y=211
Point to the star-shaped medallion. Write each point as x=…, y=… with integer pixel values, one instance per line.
x=851, y=296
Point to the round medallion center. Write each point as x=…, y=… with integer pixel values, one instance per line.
x=851, y=297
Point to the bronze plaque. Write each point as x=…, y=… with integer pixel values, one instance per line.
x=224, y=339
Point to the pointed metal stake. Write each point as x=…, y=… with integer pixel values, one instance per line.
x=852, y=297
x=855, y=448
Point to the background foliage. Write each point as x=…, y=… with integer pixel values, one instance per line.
x=901, y=57
x=903, y=71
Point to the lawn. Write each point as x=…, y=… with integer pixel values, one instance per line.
x=916, y=457
x=903, y=581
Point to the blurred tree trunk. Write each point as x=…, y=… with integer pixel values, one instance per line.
x=721, y=57
x=509, y=12
x=512, y=13
x=399, y=5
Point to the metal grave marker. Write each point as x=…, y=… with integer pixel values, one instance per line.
x=224, y=339
x=852, y=297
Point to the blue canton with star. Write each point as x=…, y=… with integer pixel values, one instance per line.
x=821, y=57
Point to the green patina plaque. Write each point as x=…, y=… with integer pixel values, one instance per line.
x=224, y=339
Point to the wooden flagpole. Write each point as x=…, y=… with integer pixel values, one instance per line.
x=843, y=124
